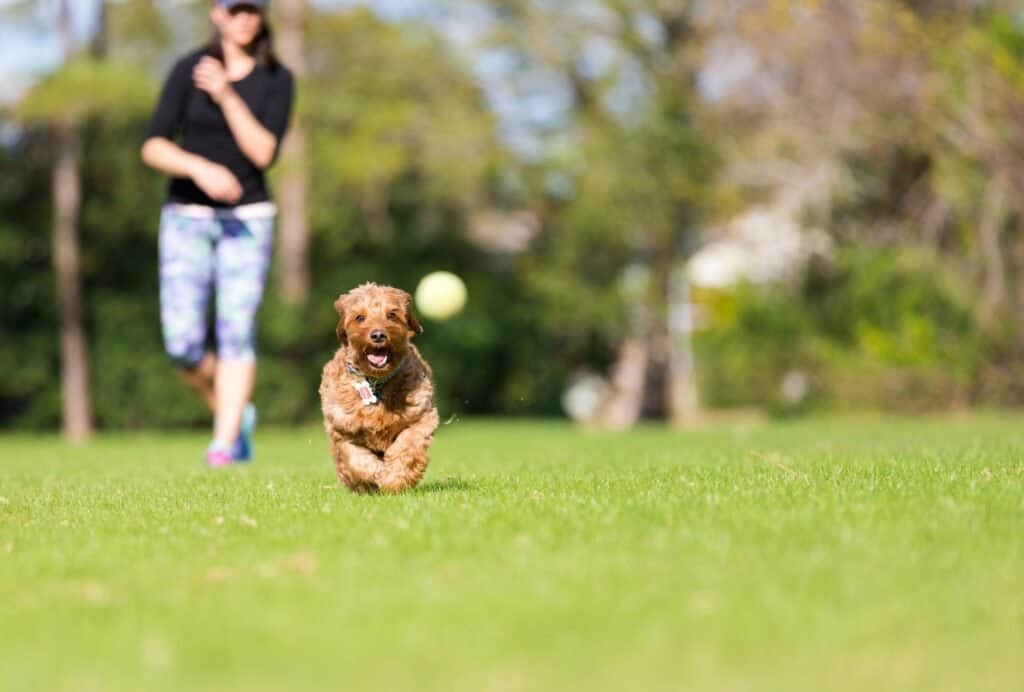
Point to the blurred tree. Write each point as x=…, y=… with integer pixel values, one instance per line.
x=386, y=104
x=917, y=108
x=67, y=201
x=137, y=32
x=977, y=144
x=293, y=270
x=66, y=191
x=627, y=178
x=84, y=88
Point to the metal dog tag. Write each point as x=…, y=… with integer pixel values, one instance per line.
x=365, y=392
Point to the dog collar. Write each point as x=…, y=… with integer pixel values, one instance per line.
x=369, y=388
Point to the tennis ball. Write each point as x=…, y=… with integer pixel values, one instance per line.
x=440, y=295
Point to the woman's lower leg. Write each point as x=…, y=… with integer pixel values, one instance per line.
x=233, y=386
x=200, y=380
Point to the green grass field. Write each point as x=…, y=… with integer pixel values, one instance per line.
x=862, y=554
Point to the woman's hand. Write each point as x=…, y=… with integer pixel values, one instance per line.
x=217, y=182
x=210, y=76
x=255, y=141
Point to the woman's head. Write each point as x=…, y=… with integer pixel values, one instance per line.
x=242, y=23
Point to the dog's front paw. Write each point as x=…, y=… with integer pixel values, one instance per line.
x=403, y=469
x=391, y=482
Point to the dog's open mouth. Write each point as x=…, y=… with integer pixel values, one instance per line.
x=378, y=357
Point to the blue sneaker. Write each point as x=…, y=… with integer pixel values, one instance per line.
x=243, y=450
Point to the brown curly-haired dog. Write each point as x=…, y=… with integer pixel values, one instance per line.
x=376, y=393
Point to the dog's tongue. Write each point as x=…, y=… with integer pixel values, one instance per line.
x=377, y=360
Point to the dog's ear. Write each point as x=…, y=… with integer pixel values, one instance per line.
x=410, y=316
x=339, y=306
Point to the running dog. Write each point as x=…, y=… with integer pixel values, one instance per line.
x=377, y=394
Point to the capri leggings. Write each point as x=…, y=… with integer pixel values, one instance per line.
x=203, y=250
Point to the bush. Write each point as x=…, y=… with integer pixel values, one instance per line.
x=891, y=329
x=756, y=336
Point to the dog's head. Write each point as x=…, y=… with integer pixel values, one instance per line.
x=377, y=324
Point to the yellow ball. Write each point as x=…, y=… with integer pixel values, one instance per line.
x=440, y=295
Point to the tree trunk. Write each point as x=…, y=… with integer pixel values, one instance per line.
x=74, y=352
x=76, y=409
x=681, y=387
x=294, y=279
x=621, y=410
x=66, y=30
x=993, y=215
x=100, y=43
x=628, y=379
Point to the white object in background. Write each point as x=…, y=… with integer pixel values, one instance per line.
x=582, y=399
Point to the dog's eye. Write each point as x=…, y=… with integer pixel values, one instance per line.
x=360, y=319
x=393, y=316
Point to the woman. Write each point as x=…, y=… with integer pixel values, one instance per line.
x=219, y=124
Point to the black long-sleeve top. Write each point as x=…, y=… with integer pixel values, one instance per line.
x=188, y=115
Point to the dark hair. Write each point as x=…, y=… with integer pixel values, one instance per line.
x=261, y=48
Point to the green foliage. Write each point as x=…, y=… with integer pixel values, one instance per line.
x=629, y=195
x=926, y=211
x=390, y=113
x=754, y=338
x=87, y=88
x=28, y=349
x=1002, y=37
x=903, y=308
x=137, y=31
x=885, y=328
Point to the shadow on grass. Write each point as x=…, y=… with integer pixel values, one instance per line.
x=445, y=485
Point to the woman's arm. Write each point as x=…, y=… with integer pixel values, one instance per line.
x=160, y=152
x=257, y=142
x=163, y=155
x=215, y=180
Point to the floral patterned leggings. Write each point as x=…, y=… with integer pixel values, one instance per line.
x=226, y=251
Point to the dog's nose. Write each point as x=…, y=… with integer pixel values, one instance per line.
x=378, y=336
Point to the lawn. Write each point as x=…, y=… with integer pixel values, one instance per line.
x=854, y=554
